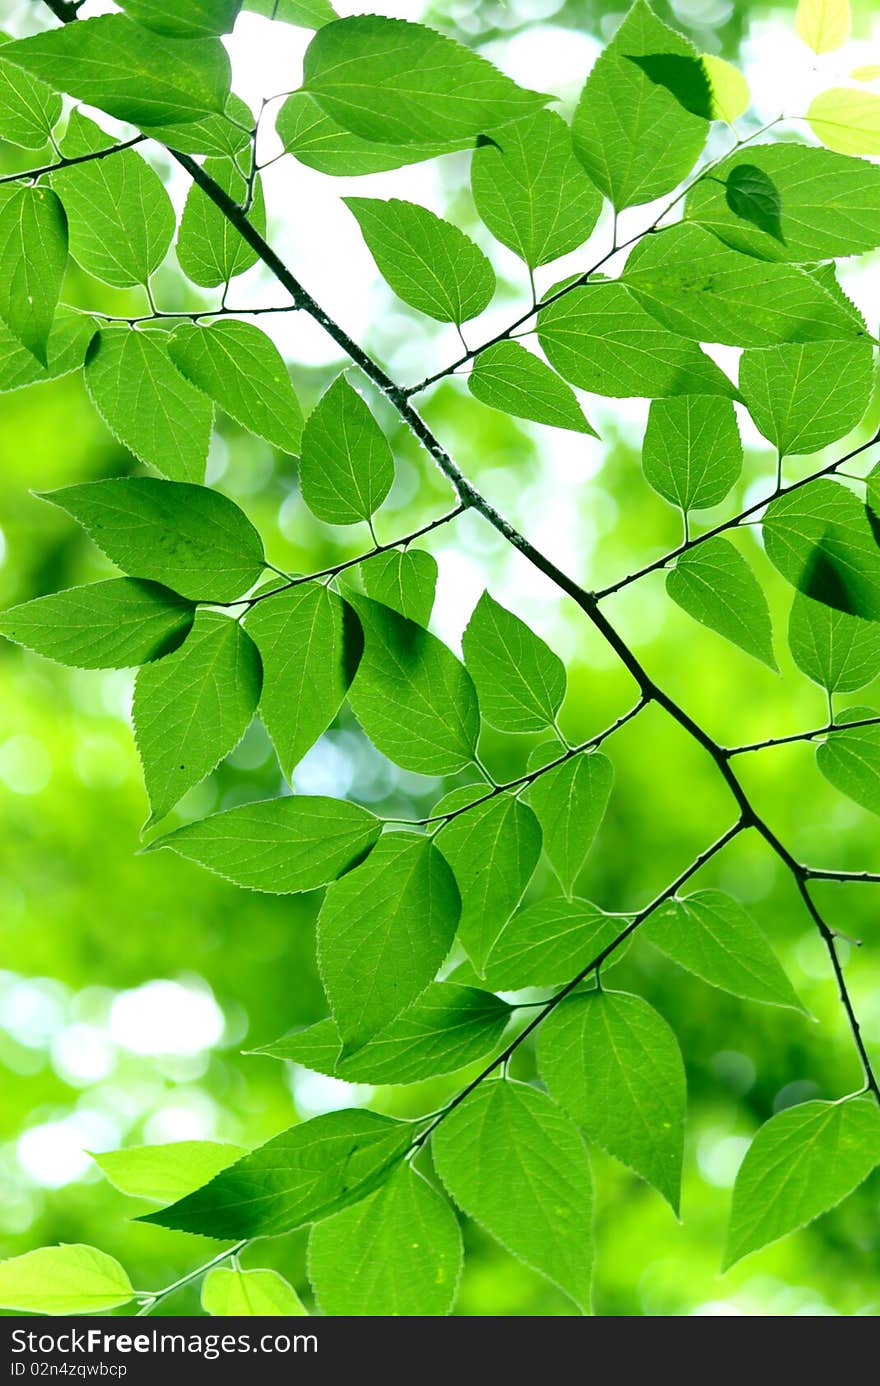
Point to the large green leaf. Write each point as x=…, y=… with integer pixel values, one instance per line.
x=413, y=698
x=304, y=1174
x=820, y=539
x=428, y=262
x=601, y=339
x=120, y=217
x=850, y=760
x=692, y=452
x=282, y=846
x=520, y=681
x=346, y=467
x=65, y=351
x=111, y=62
x=29, y=109
x=789, y=201
x=190, y=538
x=800, y=1164
x=516, y=1163
x=105, y=625
x=361, y=71
x=785, y=390
x=209, y=248
x=393, y=920
x=715, y=584
x=192, y=19
x=511, y=379
x=549, y=943
x=694, y=284
x=397, y=1253
x=447, y=1028
x=309, y=642
x=405, y=579
x=570, y=802
x=321, y=143
x=242, y=371
x=530, y=190
x=493, y=849
x=643, y=115
x=839, y=652
x=711, y=935
x=227, y=134
x=147, y=404
x=67, y=1279
x=614, y=1064
x=235, y=1293
x=164, y=1173
x=191, y=709
x=33, y=259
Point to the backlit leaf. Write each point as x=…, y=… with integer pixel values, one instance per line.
x=106, y=625
x=346, y=467
x=715, y=584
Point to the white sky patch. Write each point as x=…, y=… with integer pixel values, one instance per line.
x=163, y=1017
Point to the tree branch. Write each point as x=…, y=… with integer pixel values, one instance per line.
x=802, y=736
x=65, y=162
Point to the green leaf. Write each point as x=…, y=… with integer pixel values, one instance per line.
x=531, y=192
x=694, y=284
x=839, y=652
x=119, y=215
x=240, y=1293
x=33, y=258
x=106, y=625
x=242, y=371
x=211, y=134
x=730, y=95
x=507, y=377
x=850, y=760
x=514, y=1161
x=193, y=19
x=398, y=1253
x=308, y=14
x=192, y=709
x=802, y=1162
x=493, y=849
x=613, y=1062
x=823, y=24
x=306, y=1173
x=209, y=248
x=692, y=453
x=633, y=134
x=820, y=539
x=846, y=120
x=360, y=70
x=601, y=339
x=65, y=352
x=67, y=1279
x=570, y=803
x=346, y=467
x=427, y=261
x=549, y=943
x=447, y=1028
x=393, y=918
x=309, y=642
x=147, y=404
x=282, y=846
x=404, y=579
x=710, y=934
x=312, y=137
x=414, y=699
x=520, y=681
x=29, y=109
x=784, y=388
x=135, y=75
x=790, y=202
x=715, y=584
x=190, y=538
x=164, y=1173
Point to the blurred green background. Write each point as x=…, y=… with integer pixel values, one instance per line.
x=131, y=985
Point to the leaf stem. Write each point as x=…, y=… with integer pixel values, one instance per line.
x=160, y=1295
